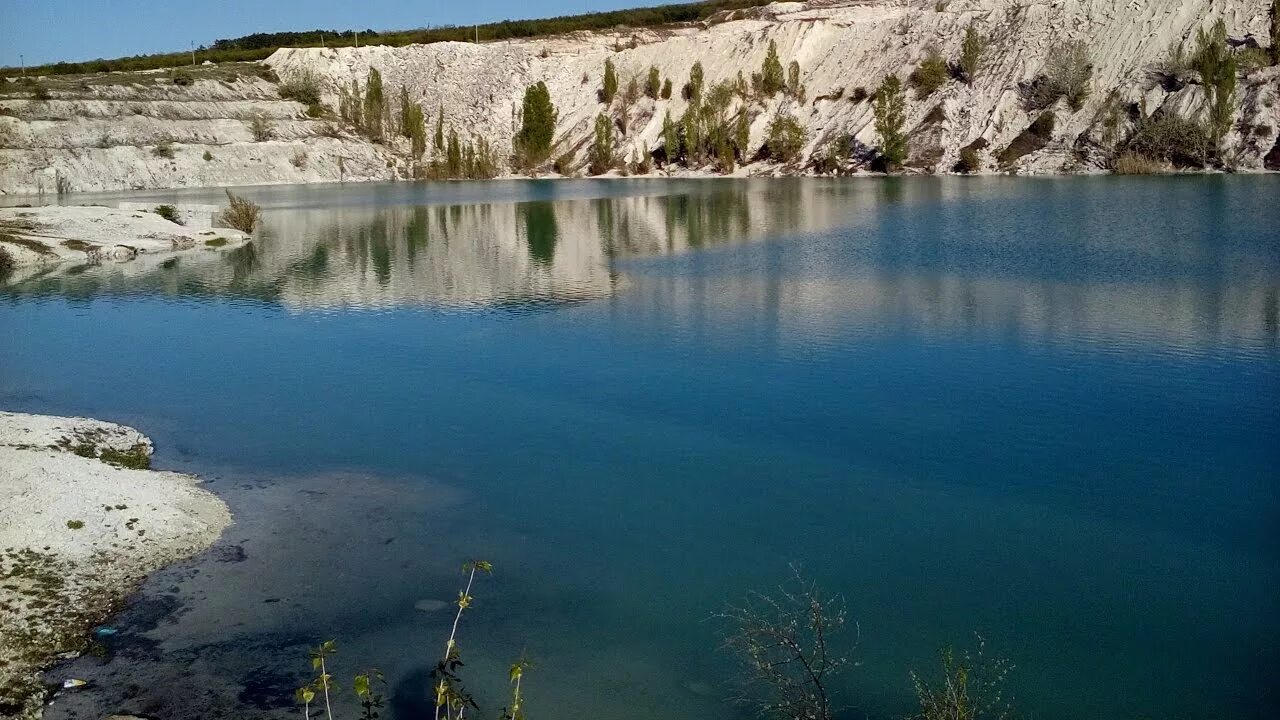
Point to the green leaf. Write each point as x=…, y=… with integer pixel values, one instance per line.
x=362, y=685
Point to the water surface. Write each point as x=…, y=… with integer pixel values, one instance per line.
x=1040, y=410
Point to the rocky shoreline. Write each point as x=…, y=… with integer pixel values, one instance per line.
x=85, y=520
x=35, y=240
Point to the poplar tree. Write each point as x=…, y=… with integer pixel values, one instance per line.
x=771, y=79
x=538, y=124
x=890, y=113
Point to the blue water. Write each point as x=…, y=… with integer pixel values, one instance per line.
x=1045, y=411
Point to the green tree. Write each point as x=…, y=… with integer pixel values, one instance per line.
x=693, y=90
x=404, y=112
x=453, y=161
x=891, y=115
x=602, y=151
x=374, y=105
x=930, y=74
x=742, y=134
x=771, y=80
x=1275, y=32
x=972, y=49
x=1068, y=72
x=538, y=124
x=785, y=138
x=416, y=130
x=666, y=89
x=693, y=135
x=794, y=88
x=670, y=139
x=1217, y=67
x=438, y=140
x=653, y=85
x=609, y=87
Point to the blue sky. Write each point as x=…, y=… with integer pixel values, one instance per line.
x=51, y=30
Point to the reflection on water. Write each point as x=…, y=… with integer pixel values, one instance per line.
x=948, y=398
x=1047, y=259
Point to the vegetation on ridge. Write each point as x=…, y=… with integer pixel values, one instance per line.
x=260, y=45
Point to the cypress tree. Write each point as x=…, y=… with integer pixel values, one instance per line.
x=890, y=112
x=438, y=140
x=538, y=124
x=771, y=80
x=670, y=139
x=602, y=159
x=610, y=85
x=373, y=105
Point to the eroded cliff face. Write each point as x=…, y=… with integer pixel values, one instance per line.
x=842, y=46
x=122, y=131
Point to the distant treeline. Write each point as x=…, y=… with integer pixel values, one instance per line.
x=260, y=45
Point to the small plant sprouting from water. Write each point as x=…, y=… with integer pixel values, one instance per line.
x=367, y=684
x=322, y=681
x=784, y=641
x=451, y=696
x=516, y=675
x=452, y=699
x=971, y=687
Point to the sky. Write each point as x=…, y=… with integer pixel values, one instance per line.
x=46, y=31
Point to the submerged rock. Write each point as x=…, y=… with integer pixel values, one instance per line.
x=429, y=605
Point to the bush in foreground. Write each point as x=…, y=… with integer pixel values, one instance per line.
x=170, y=213
x=1132, y=163
x=241, y=213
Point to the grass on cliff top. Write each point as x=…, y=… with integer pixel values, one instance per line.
x=69, y=83
x=260, y=45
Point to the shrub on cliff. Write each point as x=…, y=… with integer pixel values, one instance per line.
x=374, y=106
x=666, y=89
x=1216, y=64
x=771, y=79
x=538, y=125
x=784, y=138
x=6, y=262
x=653, y=85
x=1132, y=163
x=1275, y=32
x=241, y=213
x=1067, y=74
x=609, y=86
x=972, y=50
x=304, y=87
x=670, y=140
x=693, y=88
x=261, y=127
x=1172, y=138
x=602, y=158
x=795, y=88
x=970, y=161
x=891, y=115
x=931, y=74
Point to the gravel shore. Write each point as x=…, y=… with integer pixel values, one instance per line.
x=85, y=519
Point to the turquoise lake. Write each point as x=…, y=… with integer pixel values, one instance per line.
x=1045, y=411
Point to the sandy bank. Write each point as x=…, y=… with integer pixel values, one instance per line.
x=38, y=236
x=84, y=521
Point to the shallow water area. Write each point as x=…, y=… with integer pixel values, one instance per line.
x=1043, y=410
